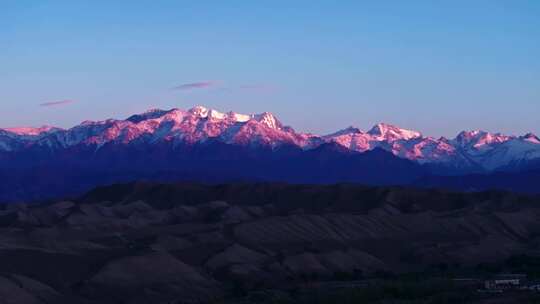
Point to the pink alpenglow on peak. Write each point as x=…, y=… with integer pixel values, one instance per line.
x=531, y=138
x=392, y=132
x=197, y=124
x=479, y=139
x=401, y=142
x=200, y=124
x=269, y=120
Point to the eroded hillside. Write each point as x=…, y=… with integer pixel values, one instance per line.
x=140, y=243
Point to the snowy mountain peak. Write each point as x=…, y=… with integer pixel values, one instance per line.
x=530, y=137
x=478, y=139
x=199, y=111
x=392, y=132
x=266, y=118
x=269, y=120
x=347, y=131
x=489, y=138
x=203, y=112
x=239, y=117
x=150, y=114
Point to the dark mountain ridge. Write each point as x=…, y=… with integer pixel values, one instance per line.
x=35, y=176
x=341, y=197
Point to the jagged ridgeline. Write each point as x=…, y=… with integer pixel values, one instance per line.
x=206, y=145
x=468, y=151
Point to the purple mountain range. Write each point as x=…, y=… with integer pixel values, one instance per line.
x=205, y=144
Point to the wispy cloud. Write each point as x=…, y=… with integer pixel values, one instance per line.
x=195, y=85
x=221, y=87
x=57, y=103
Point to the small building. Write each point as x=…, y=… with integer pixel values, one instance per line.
x=505, y=281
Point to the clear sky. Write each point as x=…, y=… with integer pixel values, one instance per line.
x=435, y=66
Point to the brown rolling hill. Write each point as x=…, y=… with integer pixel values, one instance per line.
x=176, y=243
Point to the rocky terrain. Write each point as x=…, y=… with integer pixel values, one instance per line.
x=192, y=243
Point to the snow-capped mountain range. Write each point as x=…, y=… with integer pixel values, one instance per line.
x=469, y=150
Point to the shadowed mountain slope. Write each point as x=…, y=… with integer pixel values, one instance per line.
x=30, y=177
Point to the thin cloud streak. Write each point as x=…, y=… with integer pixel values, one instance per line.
x=195, y=85
x=57, y=103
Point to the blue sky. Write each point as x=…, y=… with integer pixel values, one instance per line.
x=436, y=66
